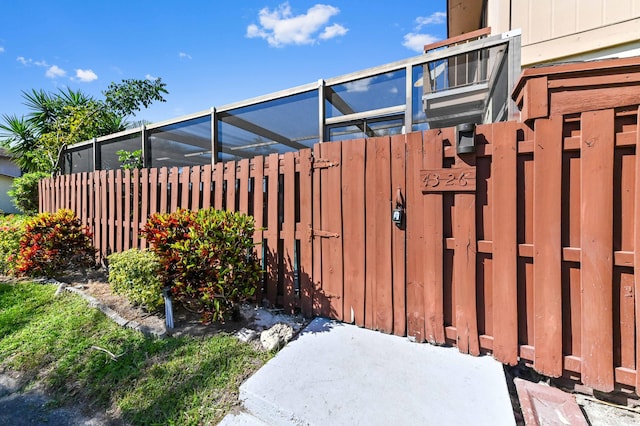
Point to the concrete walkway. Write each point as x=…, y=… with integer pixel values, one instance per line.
x=338, y=374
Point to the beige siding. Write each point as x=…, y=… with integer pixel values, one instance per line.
x=555, y=29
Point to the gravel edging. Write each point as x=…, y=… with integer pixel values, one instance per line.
x=111, y=314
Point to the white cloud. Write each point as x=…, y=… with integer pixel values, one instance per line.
x=150, y=77
x=1, y=49
x=55, y=71
x=332, y=31
x=183, y=55
x=28, y=62
x=280, y=27
x=86, y=76
x=433, y=19
x=416, y=42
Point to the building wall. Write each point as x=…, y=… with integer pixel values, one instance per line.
x=6, y=205
x=564, y=30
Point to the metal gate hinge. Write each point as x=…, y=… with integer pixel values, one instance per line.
x=313, y=233
x=323, y=163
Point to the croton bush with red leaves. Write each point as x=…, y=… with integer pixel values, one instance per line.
x=207, y=258
x=52, y=243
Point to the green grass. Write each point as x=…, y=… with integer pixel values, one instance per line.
x=155, y=381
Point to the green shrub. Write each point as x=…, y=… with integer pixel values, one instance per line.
x=207, y=258
x=24, y=192
x=135, y=275
x=11, y=230
x=53, y=242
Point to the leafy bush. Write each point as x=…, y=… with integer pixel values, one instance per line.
x=135, y=275
x=53, y=242
x=24, y=192
x=207, y=258
x=11, y=231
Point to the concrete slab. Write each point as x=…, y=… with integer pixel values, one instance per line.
x=338, y=374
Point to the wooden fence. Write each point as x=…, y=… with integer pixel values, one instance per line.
x=525, y=249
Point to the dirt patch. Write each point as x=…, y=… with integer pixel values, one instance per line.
x=95, y=283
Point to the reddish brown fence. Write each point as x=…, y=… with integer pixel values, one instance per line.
x=525, y=248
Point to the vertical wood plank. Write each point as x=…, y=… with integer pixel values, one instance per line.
x=597, y=146
x=464, y=265
x=504, y=279
x=83, y=202
x=185, y=177
x=153, y=191
x=206, y=186
x=273, y=229
x=547, y=249
x=230, y=178
x=243, y=176
x=195, y=187
x=258, y=217
x=636, y=251
x=353, y=199
x=144, y=202
x=104, y=213
x=415, y=239
x=398, y=182
x=306, y=243
x=127, y=209
x=432, y=224
x=94, y=208
x=381, y=255
x=119, y=204
x=288, y=230
x=332, y=254
x=72, y=183
x=218, y=178
x=111, y=211
x=174, y=179
x=136, y=205
x=163, y=182
x=319, y=300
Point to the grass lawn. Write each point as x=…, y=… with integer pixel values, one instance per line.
x=183, y=380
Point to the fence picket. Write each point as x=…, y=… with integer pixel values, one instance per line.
x=273, y=230
x=230, y=179
x=258, y=217
x=380, y=256
x=206, y=186
x=505, y=249
x=398, y=183
x=464, y=266
x=288, y=232
x=547, y=253
x=195, y=187
x=144, y=203
x=163, y=183
x=415, y=239
x=243, y=177
x=597, y=148
x=636, y=250
x=432, y=223
x=303, y=227
x=119, y=203
x=353, y=198
x=127, y=209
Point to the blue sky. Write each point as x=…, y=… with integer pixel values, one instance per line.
x=210, y=53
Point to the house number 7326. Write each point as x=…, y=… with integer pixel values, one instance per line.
x=441, y=180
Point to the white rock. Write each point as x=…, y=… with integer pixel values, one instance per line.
x=246, y=335
x=276, y=337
